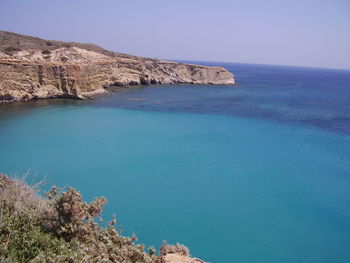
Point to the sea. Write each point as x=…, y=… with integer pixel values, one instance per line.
x=255, y=172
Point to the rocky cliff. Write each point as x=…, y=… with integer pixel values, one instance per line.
x=33, y=68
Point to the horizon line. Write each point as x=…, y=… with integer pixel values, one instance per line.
x=258, y=64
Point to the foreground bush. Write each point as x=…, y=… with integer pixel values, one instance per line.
x=63, y=228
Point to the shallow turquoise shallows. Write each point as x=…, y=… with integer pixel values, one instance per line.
x=233, y=188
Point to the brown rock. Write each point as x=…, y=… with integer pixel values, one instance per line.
x=176, y=258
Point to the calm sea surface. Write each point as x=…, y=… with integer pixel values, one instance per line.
x=258, y=172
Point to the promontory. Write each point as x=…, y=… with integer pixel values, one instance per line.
x=33, y=68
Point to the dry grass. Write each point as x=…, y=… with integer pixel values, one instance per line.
x=17, y=195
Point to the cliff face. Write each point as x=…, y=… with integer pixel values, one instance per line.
x=32, y=68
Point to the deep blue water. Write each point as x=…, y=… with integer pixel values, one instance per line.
x=257, y=172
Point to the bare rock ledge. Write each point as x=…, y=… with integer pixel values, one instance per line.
x=33, y=68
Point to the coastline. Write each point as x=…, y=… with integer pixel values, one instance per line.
x=42, y=69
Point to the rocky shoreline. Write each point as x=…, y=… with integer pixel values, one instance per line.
x=33, y=68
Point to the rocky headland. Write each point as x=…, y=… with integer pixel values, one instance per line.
x=33, y=68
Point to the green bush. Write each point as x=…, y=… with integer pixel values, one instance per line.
x=23, y=239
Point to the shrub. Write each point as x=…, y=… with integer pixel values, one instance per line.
x=59, y=228
x=20, y=234
x=12, y=49
x=70, y=217
x=177, y=249
x=64, y=228
x=22, y=238
x=46, y=52
x=64, y=59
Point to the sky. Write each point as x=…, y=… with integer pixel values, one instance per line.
x=281, y=32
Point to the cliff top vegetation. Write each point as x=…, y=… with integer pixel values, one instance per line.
x=62, y=227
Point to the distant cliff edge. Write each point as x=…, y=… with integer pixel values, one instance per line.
x=34, y=68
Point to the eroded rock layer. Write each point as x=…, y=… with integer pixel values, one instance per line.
x=32, y=68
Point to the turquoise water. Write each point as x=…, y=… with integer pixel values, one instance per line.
x=198, y=165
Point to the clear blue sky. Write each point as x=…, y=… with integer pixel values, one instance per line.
x=285, y=32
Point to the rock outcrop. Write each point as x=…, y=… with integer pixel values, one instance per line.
x=33, y=68
x=177, y=258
